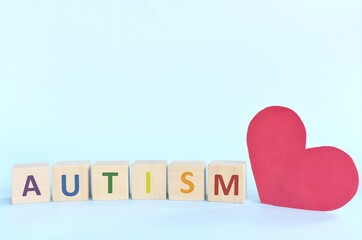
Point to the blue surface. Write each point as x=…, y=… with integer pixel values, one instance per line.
x=136, y=79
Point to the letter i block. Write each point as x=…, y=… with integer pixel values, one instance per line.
x=149, y=179
x=227, y=181
x=110, y=180
x=186, y=180
x=30, y=183
x=71, y=181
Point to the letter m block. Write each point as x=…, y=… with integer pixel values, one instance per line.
x=227, y=181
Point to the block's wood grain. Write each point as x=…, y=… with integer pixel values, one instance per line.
x=186, y=180
x=227, y=181
x=149, y=179
x=30, y=183
x=71, y=172
x=110, y=180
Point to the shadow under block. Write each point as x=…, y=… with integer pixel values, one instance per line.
x=110, y=180
x=71, y=181
x=149, y=179
x=186, y=180
x=30, y=183
x=227, y=181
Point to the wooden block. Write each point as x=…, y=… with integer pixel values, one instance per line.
x=71, y=181
x=110, y=180
x=149, y=179
x=227, y=181
x=186, y=180
x=30, y=183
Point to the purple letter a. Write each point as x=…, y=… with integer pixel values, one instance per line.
x=31, y=179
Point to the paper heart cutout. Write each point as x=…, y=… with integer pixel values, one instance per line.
x=289, y=175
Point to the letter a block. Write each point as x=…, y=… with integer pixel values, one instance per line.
x=149, y=179
x=227, y=181
x=110, y=180
x=30, y=183
x=186, y=180
x=71, y=181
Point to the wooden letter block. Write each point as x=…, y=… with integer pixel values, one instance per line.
x=30, y=183
x=227, y=181
x=110, y=180
x=186, y=180
x=71, y=181
x=149, y=179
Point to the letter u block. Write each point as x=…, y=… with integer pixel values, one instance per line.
x=227, y=181
x=186, y=180
x=71, y=181
x=149, y=179
x=30, y=183
x=110, y=180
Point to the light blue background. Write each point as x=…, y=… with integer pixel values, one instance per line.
x=176, y=80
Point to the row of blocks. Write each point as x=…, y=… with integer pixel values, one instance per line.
x=77, y=180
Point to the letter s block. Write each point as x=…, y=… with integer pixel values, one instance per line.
x=30, y=183
x=227, y=181
x=71, y=181
x=186, y=180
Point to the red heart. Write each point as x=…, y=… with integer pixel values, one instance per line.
x=289, y=175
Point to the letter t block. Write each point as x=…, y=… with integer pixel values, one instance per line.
x=227, y=181
x=110, y=180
